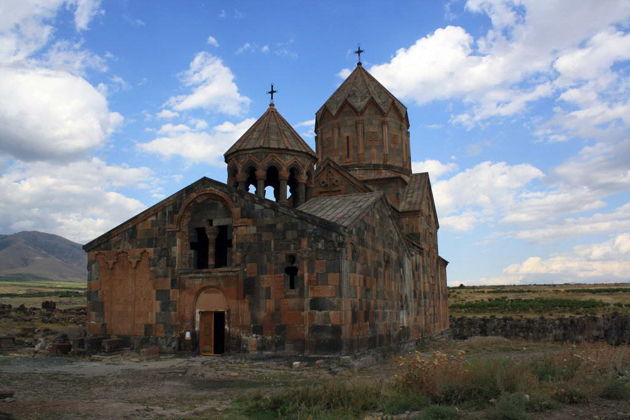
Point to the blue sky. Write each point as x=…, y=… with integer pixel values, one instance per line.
x=519, y=110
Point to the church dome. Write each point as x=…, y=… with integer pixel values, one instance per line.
x=357, y=90
x=272, y=154
x=271, y=131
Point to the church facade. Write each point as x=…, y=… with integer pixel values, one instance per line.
x=343, y=259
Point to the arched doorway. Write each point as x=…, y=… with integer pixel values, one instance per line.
x=210, y=319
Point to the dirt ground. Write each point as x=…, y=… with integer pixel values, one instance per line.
x=125, y=387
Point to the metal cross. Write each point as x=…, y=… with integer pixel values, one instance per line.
x=358, y=52
x=271, y=92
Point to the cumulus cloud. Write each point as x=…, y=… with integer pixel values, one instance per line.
x=608, y=261
x=533, y=49
x=66, y=119
x=198, y=146
x=617, y=220
x=603, y=262
x=213, y=88
x=435, y=168
x=73, y=200
x=489, y=188
x=25, y=26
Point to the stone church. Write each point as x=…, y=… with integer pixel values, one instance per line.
x=343, y=259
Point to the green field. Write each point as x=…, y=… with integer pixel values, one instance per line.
x=32, y=291
x=539, y=300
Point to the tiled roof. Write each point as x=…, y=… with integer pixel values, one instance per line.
x=271, y=131
x=340, y=209
x=357, y=89
x=414, y=192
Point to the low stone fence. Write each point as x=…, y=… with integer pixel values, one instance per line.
x=613, y=329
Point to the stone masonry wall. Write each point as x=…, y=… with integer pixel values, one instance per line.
x=613, y=329
x=151, y=298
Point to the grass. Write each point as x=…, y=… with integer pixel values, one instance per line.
x=32, y=291
x=536, y=300
x=537, y=305
x=453, y=383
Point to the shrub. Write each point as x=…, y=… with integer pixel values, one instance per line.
x=538, y=403
x=400, y=401
x=615, y=389
x=324, y=400
x=569, y=395
x=557, y=367
x=509, y=407
x=437, y=412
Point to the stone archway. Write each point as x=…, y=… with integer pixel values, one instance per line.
x=211, y=321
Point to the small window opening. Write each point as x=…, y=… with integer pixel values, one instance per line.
x=222, y=244
x=291, y=271
x=200, y=246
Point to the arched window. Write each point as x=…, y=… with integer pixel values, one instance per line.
x=209, y=235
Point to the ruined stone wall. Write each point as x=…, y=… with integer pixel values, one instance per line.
x=613, y=329
x=136, y=289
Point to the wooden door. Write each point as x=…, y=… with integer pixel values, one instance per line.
x=206, y=333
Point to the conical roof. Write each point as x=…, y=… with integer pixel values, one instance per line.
x=271, y=131
x=358, y=89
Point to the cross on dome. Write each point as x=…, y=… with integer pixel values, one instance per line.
x=358, y=52
x=271, y=92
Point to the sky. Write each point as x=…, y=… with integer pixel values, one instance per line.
x=519, y=111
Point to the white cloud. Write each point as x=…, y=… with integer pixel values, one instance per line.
x=25, y=25
x=617, y=220
x=265, y=49
x=213, y=88
x=166, y=114
x=77, y=200
x=173, y=129
x=213, y=41
x=67, y=117
x=533, y=49
x=248, y=46
x=70, y=57
x=608, y=261
x=85, y=12
x=485, y=189
x=435, y=168
x=602, y=167
x=206, y=147
x=604, y=262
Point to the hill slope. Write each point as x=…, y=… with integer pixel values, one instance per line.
x=42, y=255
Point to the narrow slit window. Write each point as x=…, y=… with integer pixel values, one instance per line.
x=291, y=271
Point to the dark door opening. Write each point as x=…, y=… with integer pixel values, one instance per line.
x=211, y=333
x=219, y=332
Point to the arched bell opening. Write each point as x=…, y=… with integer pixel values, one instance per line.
x=250, y=180
x=272, y=184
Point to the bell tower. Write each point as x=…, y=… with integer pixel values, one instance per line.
x=365, y=129
x=272, y=154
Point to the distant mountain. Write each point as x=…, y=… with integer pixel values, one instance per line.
x=42, y=255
